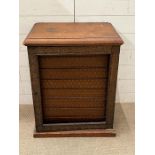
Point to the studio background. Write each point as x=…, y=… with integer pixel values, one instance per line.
x=118, y=12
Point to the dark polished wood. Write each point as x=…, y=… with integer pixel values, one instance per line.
x=77, y=133
x=72, y=62
x=73, y=75
x=74, y=94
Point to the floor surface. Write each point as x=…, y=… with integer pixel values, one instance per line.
x=122, y=144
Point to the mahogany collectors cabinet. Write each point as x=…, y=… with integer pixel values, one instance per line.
x=73, y=69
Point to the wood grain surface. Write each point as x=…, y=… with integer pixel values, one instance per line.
x=52, y=34
x=77, y=133
x=73, y=61
x=80, y=73
x=74, y=102
x=73, y=70
x=73, y=88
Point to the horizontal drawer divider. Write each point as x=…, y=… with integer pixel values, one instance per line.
x=77, y=117
x=78, y=67
x=74, y=115
x=76, y=88
x=74, y=108
x=105, y=78
x=82, y=67
x=77, y=106
x=73, y=98
x=76, y=98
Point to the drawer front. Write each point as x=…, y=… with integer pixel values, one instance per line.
x=74, y=84
x=74, y=102
x=73, y=113
x=73, y=61
x=73, y=88
x=78, y=73
x=72, y=93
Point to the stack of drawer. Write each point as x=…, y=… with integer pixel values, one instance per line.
x=73, y=88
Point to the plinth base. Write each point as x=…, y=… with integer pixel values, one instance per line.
x=77, y=133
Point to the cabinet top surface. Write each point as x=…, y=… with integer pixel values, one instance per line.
x=53, y=34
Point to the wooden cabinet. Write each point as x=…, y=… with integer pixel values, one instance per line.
x=73, y=70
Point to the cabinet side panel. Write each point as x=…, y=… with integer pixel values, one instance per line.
x=35, y=85
x=112, y=80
